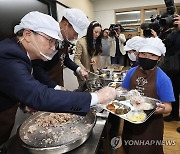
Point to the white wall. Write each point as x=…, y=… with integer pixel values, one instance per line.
x=85, y=5
x=104, y=10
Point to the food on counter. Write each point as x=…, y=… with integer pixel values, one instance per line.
x=113, y=85
x=111, y=107
x=102, y=75
x=116, y=77
x=105, y=73
x=136, y=116
x=116, y=68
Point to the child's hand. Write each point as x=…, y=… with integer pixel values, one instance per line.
x=160, y=109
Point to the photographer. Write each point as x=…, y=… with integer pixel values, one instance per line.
x=167, y=28
x=116, y=43
x=172, y=47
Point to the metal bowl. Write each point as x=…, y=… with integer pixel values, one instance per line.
x=94, y=84
x=68, y=140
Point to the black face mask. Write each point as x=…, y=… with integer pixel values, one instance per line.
x=147, y=64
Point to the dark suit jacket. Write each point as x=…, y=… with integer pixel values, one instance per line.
x=18, y=85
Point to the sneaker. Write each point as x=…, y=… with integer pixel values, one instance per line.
x=178, y=129
x=170, y=118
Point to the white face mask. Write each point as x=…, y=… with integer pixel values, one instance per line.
x=132, y=56
x=49, y=56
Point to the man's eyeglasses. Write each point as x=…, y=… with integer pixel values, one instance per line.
x=52, y=41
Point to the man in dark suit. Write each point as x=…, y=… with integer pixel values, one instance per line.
x=36, y=38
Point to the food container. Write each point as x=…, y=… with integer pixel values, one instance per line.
x=118, y=77
x=115, y=84
x=94, y=84
x=116, y=67
x=38, y=138
x=106, y=74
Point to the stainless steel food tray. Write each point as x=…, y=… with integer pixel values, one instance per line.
x=127, y=103
x=72, y=134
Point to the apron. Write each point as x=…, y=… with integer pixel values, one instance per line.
x=152, y=129
x=7, y=119
x=56, y=72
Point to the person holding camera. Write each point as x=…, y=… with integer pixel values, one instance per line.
x=173, y=48
x=116, y=42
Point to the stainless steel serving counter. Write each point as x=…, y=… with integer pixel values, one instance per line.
x=92, y=145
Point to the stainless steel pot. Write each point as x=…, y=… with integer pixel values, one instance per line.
x=68, y=140
x=94, y=84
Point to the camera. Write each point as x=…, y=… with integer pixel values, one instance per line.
x=160, y=24
x=146, y=27
x=168, y=19
x=113, y=28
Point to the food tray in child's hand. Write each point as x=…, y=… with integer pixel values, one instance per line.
x=130, y=113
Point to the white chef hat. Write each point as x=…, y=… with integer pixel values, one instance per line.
x=134, y=43
x=154, y=46
x=77, y=19
x=39, y=22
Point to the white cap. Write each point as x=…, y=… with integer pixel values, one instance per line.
x=134, y=43
x=154, y=46
x=77, y=19
x=39, y=22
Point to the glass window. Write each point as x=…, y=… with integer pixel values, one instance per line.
x=178, y=10
x=162, y=11
x=128, y=18
x=148, y=14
